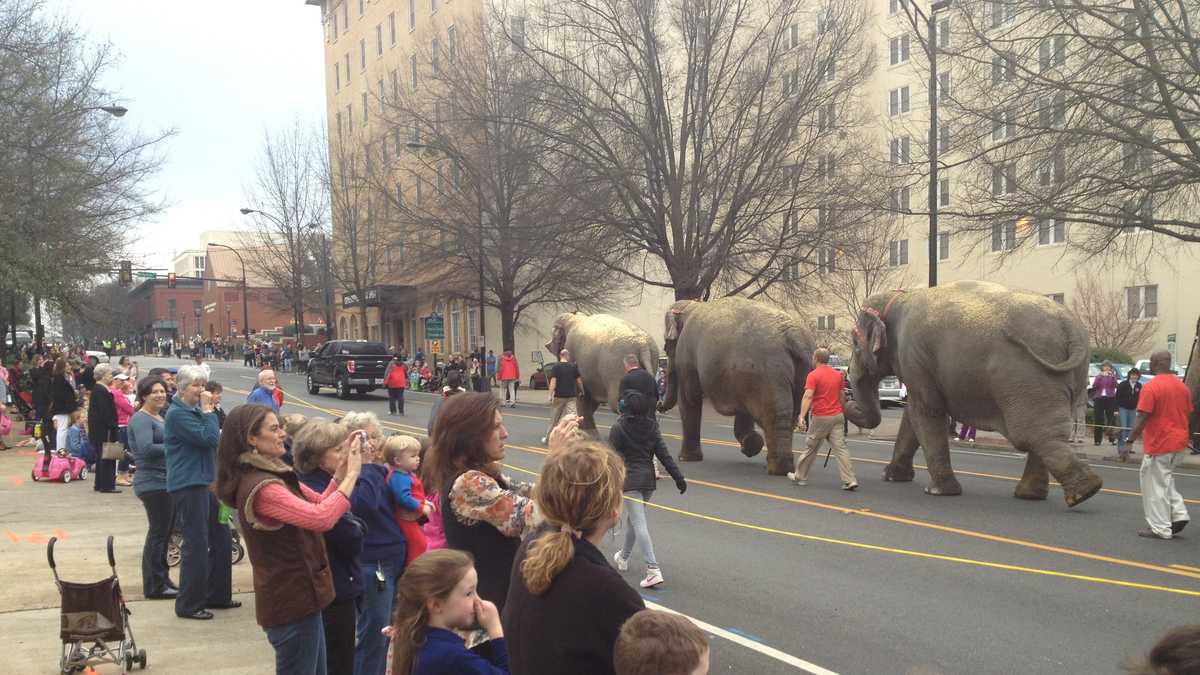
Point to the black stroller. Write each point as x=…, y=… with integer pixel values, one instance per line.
x=95, y=613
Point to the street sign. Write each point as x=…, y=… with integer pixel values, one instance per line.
x=147, y=275
x=435, y=346
x=435, y=328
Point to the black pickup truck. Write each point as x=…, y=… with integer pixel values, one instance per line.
x=348, y=365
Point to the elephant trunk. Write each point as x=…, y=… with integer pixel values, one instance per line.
x=672, y=395
x=864, y=410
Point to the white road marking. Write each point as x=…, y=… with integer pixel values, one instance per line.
x=798, y=663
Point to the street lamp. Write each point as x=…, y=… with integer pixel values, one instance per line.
x=482, y=321
x=245, y=301
x=931, y=52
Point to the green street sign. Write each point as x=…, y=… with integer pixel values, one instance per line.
x=147, y=275
x=435, y=328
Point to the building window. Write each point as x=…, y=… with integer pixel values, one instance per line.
x=1051, y=231
x=1052, y=112
x=517, y=28
x=898, y=49
x=1053, y=171
x=350, y=118
x=829, y=70
x=825, y=117
x=900, y=150
x=345, y=16
x=943, y=33
x=1135, y=158
x=943, y=137
x=1135, y=213
x=825, y=258
x=337, y=76
x=1001, y=12
x=412, y=64
x=1004, y=69
x=198, y=264
x=412, y=15
x=1052, y=53
x=417, y=184
x=365, y=108
x=1141, y=302
x=171, y=310
x=943, y=86
x=898, y=101
x=379, y=39
x=825, y=322
x=943, y=192
x=362, y=54
x=1004, y=236
x=396, y=92
x=347, y=67
x=339, y=123
x=824, y=19
x=1004, y=179
x=334, y=16
x=362, y=7
x=791, y=82
x=435, y=56
x=433, y=6
x=825, y=166
x=894, y=6
x=898, y=252
x=901, y=200
x=793, y=36
x=451, y=44
x=1002, y=125
x=791, y=268
x=1057, y=297
x=943, y=246
x=392, y=29
x=472, y=330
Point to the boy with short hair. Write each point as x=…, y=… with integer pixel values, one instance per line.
x=660, y=643
x=402, y=454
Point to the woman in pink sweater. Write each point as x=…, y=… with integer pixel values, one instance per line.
x=120, y=388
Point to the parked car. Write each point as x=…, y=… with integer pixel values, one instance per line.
x=96, y=358
x=892, y=392
x=347, y=365
x=540, y=379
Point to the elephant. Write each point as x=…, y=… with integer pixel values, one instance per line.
x=598, y=344
x=1191, y=377
x=750, y=360
x=982, y=354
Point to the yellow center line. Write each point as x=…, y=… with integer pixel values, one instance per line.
x=1178, y=570
x=912, y=553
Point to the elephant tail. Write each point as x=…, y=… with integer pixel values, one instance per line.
x=1077, y=342
x=648, y=357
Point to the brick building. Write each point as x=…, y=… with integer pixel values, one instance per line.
x=161, y=312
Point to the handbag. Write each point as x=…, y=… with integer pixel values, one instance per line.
x=112, y=450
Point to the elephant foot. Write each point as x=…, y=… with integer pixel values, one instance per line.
x=752, y=444
x=898, y=473
x=944, y=488
x=1030, y=491
x=691, y=456
x=1079, y=491
x=778, y=466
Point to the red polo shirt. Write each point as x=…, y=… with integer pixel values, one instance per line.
x=1167, y=404
x=825, y=382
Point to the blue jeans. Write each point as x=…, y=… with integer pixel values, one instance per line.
x=374, y=614
x=206, y=567
x=636, y=531
x=299, y=646
x=1127, y=417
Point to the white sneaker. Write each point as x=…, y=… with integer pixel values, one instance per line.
x=792, y=477
x=653, y=578
x=622, y=562
x=850, y=487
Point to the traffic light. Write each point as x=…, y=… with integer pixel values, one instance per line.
x=125, y=276
x=171, y=280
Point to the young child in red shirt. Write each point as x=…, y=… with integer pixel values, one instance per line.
x=403, y=457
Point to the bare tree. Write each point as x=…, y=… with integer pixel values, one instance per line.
x=360, y=234
x=1112, y=321
x=289, y=203
x=705, y=128
x=1073, y=119
x=477, y=192
x=72, y=180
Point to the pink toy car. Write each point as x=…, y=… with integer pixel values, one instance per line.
x=62, y=467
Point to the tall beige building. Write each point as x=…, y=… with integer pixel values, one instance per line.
x=372, y=48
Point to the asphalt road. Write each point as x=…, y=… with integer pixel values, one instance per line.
x=885, y=579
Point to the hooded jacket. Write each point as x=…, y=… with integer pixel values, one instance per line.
x=637, y=439
x=508, y=369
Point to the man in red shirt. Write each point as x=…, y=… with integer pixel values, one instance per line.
x=1162, y=415
x=823, y=394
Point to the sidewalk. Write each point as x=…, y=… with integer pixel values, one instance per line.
x=988, y=440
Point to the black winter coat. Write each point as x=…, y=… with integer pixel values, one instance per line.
x=1127, y=395
x=102, y=416
x=639, y=379
x=637, y=439
x=40, y=377
x=62, y=397
x=571, y=628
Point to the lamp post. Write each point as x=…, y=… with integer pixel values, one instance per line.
x=245, y=301
x=930, y=46
x=482, y=321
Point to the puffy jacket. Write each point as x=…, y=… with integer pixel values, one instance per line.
x=508, y=367
x=637, y=439
x=396, y=376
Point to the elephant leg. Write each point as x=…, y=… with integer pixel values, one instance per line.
x=587, y=414
x=1035, y=482
x=930, y=428
x=743, y=430
x=779, y=444
x=690, y=416
x=1053, y=454
x=900, y=469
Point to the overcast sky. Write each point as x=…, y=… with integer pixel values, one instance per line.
x=219, y=72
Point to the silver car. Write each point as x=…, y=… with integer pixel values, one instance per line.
x=892, y=392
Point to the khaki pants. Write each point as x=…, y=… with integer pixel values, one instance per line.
x=1160, y=500
x=558, y=408
x=819, y=429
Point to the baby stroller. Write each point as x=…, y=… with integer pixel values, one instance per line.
x=95, y=613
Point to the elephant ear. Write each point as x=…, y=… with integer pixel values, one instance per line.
x=674, y=320
x=870, y=333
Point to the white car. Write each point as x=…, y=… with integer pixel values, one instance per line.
x=94, y=357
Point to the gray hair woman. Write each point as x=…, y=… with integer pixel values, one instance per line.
x=103, y=428
x=368, y=422
x=191, y=435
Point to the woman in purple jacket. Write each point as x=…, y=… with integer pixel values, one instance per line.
x=1104, y=401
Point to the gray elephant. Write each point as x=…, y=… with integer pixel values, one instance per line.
x=984, y=355
x=750, y=361
x=598, y=344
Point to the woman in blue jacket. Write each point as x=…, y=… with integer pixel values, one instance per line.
x=319, y=449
